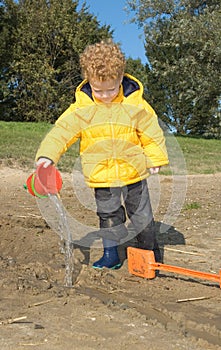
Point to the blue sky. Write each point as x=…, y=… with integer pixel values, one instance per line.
x=128, y=35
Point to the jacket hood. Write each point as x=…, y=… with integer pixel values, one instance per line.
x=129, y=86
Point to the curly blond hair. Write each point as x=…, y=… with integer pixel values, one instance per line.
x=102, y=61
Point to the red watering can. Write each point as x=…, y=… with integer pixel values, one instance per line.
x=44, y=181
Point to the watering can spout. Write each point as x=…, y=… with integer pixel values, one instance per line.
x=44, y=181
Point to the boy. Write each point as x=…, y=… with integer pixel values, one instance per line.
x=120, y=144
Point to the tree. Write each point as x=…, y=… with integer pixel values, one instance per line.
x=49, y=35
x=137, y=68
x=183, y=48
x=8, y=21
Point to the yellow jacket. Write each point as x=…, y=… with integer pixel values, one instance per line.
x=118, y=141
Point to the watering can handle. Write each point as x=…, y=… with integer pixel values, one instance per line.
x=44, y=160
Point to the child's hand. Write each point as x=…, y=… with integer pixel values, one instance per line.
x=154, y=170
x=46, y=162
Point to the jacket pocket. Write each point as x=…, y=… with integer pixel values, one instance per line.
x=134, y=166
x=95, y=170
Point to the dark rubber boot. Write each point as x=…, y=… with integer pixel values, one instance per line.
x=158, y=256
x=147, y=241
x=110, y=258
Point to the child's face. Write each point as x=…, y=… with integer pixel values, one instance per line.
x=105, y=91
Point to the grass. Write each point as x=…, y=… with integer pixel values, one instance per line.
x=20, y=141
x=193, y=205
x=203, y=156
x=190, y=155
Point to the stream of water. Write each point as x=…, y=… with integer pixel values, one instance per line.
x=66, y=238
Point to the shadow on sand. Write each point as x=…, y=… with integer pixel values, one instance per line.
x=166, y=235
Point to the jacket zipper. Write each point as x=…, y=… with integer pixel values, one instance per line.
x=114, y=146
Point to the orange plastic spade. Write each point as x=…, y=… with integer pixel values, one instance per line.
x=142, y=263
